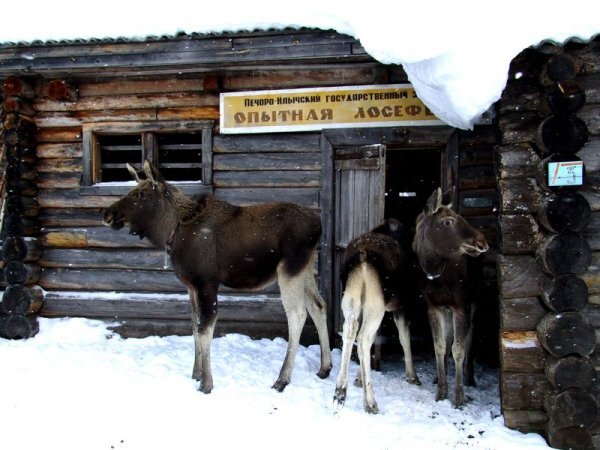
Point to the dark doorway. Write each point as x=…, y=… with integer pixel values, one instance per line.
x=411, y=176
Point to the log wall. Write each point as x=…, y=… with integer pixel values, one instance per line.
x=83, y=262
x=547, y=263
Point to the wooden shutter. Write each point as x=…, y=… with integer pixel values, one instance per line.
x=360, y=201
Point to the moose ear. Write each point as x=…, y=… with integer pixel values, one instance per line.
x=133, y=173
x=152, y=174
x=448, y=197
x=434, y=201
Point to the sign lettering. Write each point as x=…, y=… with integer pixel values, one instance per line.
x=320, y=108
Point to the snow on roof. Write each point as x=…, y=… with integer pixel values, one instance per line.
x=456, y=54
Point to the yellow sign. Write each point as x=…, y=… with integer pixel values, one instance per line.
x=320, y=108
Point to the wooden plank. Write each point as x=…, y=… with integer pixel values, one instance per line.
x=475, y=155
x=99, y=237
x=145, y=259
x=414, y=137
x=520, y=313
x=324, y=76
x=57, y=180
x=60, y=165
x=59, y=135
x=519, y=196
x=516, y=161
x=592, y=276
x=477, y=177
x=77, y=118
x=592, y=231
x=288, y=178
x=154, y=86
x=60, y=150
x=519, y=276
x=523, y=391
x=110, y=280
x=66, y=198
x=139, y=305
x=189, y=113
x=268, y=143
x=308, y=197
x=521, y=352
x=70, y=217
x=526, y=421
x=519, y=234
x=267, y=161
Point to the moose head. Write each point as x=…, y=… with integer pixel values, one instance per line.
x=443, y=235
x=141, y=207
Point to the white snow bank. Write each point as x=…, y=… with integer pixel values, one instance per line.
x=456, y=54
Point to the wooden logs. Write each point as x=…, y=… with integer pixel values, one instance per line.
x=570, y=372
x=562, y=133
x=20, y=253
x=572, y=408
x=565, y=334
x=519, y=234
x=565, y=292
x=564, y=253
x=564, y=97
x=62, y=91
x=17, y=326
x=20, y=299
x=567, y=212
x=18, y=272
x=569, y=437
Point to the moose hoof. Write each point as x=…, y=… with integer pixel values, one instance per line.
x=414, y=381
x=205, y=388
x=324, y=373
x=442, y=394
x=339, y=398
x=280, y=385
x=459, y=399
x=372, y=409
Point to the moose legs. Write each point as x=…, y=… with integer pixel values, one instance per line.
x=404, y=334
x=299, y=295
x=203, y=300
x=372, y=312
x=440, y=323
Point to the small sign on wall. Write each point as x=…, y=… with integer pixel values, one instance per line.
x=565, y=173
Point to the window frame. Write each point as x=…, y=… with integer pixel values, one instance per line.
x=147, y=130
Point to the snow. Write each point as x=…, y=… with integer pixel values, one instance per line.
x=456, y=54
x=76, y=385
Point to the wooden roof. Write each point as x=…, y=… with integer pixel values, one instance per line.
x=179, y=54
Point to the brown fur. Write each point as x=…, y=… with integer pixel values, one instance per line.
x=212, y=242
x=442, y=241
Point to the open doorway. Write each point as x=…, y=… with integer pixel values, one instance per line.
x=410, y=178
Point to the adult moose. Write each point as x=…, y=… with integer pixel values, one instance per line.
x=442, y=241
x=374, y=274
x=212, y=242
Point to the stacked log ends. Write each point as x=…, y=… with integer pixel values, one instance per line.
x=548, y=252
x=23, y=298
x=565, y=333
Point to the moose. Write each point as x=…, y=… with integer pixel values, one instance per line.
x=442, y=241
x=212, y=242
x=374, y=274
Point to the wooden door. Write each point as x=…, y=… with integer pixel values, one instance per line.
x=359, y=205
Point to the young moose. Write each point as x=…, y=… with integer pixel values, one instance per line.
x=212, y=242
x=374, y=269
x=442, y=241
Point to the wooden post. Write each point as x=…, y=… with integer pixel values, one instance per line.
x=22, y=298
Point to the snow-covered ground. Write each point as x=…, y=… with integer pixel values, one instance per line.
x=76, y=385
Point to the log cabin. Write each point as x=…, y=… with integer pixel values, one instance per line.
x=74, y=112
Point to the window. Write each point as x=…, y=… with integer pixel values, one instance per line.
x=181, y=151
